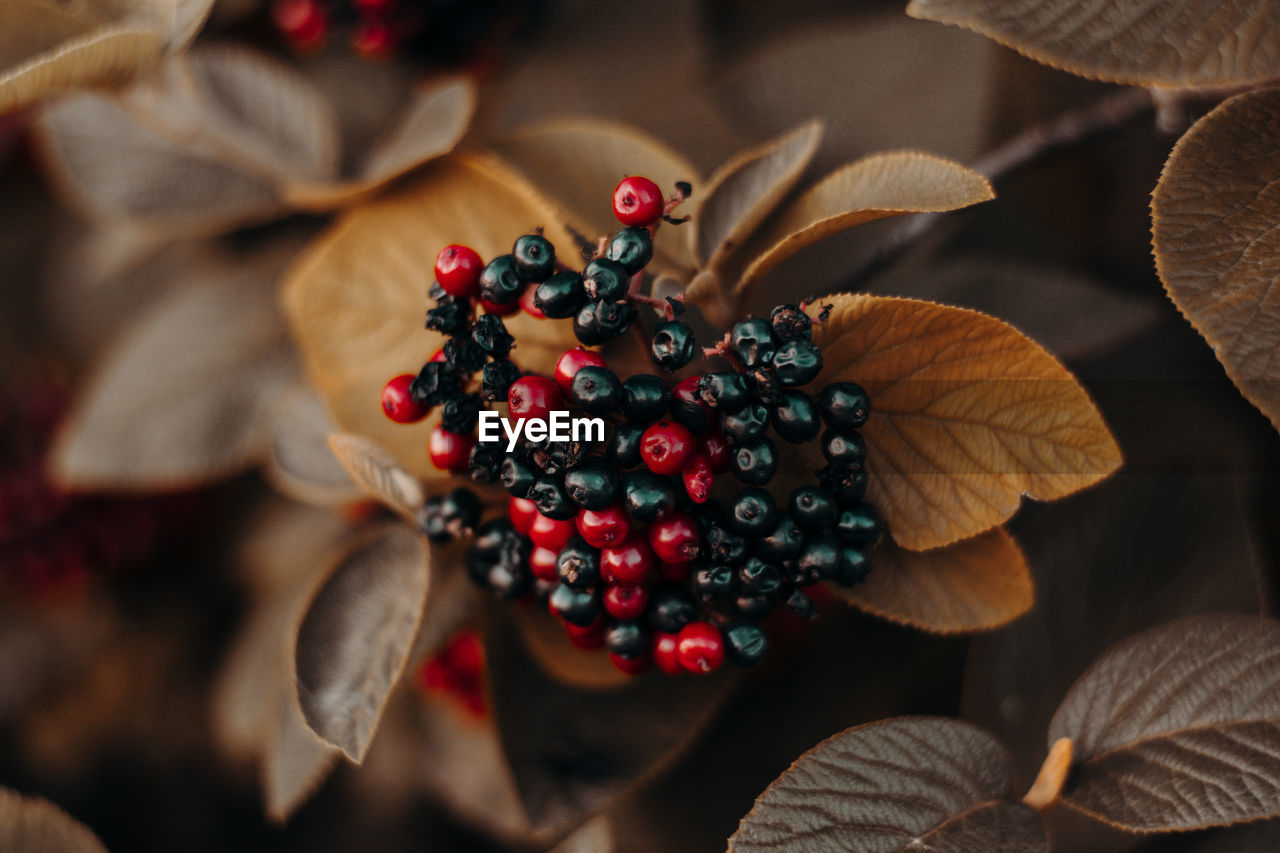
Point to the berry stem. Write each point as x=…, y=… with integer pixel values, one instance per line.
x=723, y=350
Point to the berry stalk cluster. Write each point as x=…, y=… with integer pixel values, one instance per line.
x=631, y=544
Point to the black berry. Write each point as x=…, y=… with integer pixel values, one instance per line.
x=490, y=334
x=745, y=643
x=592, y=485
x=790, y=323
x=672, y=345
x=844, y=405
x=724, y=392
x=794, y=418
x=797, y=363
x=647, y=496
x=517, y=477
x=624, y=445
x=753, y=512
x=812, y=508
x=747, y=424
x=577, y=606
x=752, y=342
x=785, y=541
x=645, y=398
x=578, y=565
x=755, y=463
x=496, y=379
x=535, y=257
x=500, y=282
x=560, y=296
x=631, y=247
x=627, y=639
x=605, y=279
x=596, y=390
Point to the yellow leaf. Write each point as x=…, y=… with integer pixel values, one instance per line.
x=1142, y=42
x=357, y=299
x=974, y=585
x=888, y=184
x=1215, y=213
x=967, y=416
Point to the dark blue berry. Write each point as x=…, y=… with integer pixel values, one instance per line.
x=496, y=379
x=752, y=512
x=671, y=608
x=551, y=498
x=577, y=606
x=844, y=448
x=535, y=257
x=592, y=485
x=859, y=525
x=813, y=508
x=747, y=424
x=790, y=323
x=605, y=279
x=752, y=342
x=560, y=296
x=794, y=418
x=624, y=445
x=745, y=643
x=596, y=390
x=490, y=334
x=797, y=363
x=854, y=566
x=645, y=398
x=672, y=345
x=759, y=578
x=724, y=392
x=434, y=384
x=500, y=281
x=844, y=405
x=783, y=542
x=647, y=496
x=627, y=639
x=755, y=463
x=713, y=582
x=578, y=565
x=631, y=247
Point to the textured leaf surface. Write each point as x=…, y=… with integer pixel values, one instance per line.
x=743, y=191
x=1217, y=247
x=967, y=416
x=898, y=785
x=1143, y=42
x=356, y=636
x=378, y=473
x=300, y=462
x=974, y=585
x=357, y=299
x=33, y=825
x=578, y=162
x=1178, y=727
x=873, y=188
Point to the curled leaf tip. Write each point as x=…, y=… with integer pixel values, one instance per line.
x=1052, y=777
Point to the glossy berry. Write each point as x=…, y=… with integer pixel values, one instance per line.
x=715, y=447
x=647, y=496
x=549, y=494
x=783, y=542
x=713, y=582
x=745, y=643
x=542, y=564
x=613, y=319
x=575, y=606
x=535, y=257
x=794, y=417
x=528, y=303
x=858, y=525
x=797, y=363
x=623, y=447
x=534, y=397
x=665, y=656
x=496, y=379
x=844, y=405
x=631, y=666
x=700, y=647
x=571, y=361
x=628, y=639
x=725, y=546
x=586, y=636
x=458, y=270
x=637, y=201
x=820, y=558
x=578, y=564
x=372, y=38
x=813, y=508
x=522, y=512
x=801, y=604
x=604, y=527
x=698, y=478
x=847, y=483
x=449, y=451
x=501, y=310
x=645, y=398
x=724, y=392
x=747, y=424
x=672, y=346
x=854, y=566
x=626, y=603
x=398, y=403
x=596, y=390
x=687, y=407
x=303, y=22
x=755, y=463
x=752, y=342
x=551, y=533
x=605, y=279
x=628, y=563
x=844, y=448
x=671, y=607
x=490, y=336
x=631, y=247
x=666, y=447
x=753, y=512
x=790, y=324
x=560, y=296
x=517, y=477
x=757, y=577
x=674, y=539
x=594, y=484
x=500, y=281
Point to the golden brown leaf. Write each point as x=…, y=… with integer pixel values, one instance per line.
x=34, y=825
x=967, y=416
x=357, y=299
x=875, y=187
x=1143, y=42
x=379, y=474
x=1215, y=212
x=975, y=585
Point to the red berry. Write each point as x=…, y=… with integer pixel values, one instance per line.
x=373, y=38
x=435, y=676
x=438, y=355
x=303, y=22
x=698, y=478
x=549, y=533
x=674, y=538
x=665, y=447
x=628, y=563
x=374, y=7
x=604, y=527
x=626, y=603
x=700, y=647
x=715, y=447
x=665, y=656
x=588, y=637
x=501, y=310
x=568, y=365
x=534, y=397
x=631, y=666
x=637, y=201
x=465, y=655
x=450, y=451
x=522, y=513
x=398, y=404
x=458, y=270
x=542, y=563
x=526, y=304
x=674, y=572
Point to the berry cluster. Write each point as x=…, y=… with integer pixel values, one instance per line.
x=443, y=32
x=631, y=544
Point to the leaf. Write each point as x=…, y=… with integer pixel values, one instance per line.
x=378, y=473
x=300, y=463
x=187, y=395
x=1176, y=728
x=743, y=191
x=573, y=750
x=202, y=147
x=875, y=187
x=1215, y=212
x=1141, y=42
x=975, y=585
x=34, y=825
x=906, y=784
x=356, y=636
x=1255, y=838
x=594, y=836
x=967, y=416
x=579, y=161
x=357, y=298
x=296, y=762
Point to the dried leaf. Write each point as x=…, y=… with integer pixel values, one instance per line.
x=579, y=161
x=379, y=474
x=1176, y=728
x=357, y=299
x=1215, y=213
x=882, y=185
x=300, y=463
x=745, y=190
x=296, y=761
x=1255, y=838
x=594, y=836
x=1142, y=42
x=356, y=636
x=34, y=825
x=187, y=395
x=967, y=416
x=975, y=585
x=898, y=785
